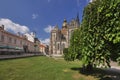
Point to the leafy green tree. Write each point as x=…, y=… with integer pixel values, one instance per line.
x=99, y=34
x=65, y=51
x=74, y=49
x=109, y=14
x=104, y=29
x=113, y=29
x=94, y=48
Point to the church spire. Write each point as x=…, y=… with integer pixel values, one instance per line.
x=77, y=19
x=64, y=24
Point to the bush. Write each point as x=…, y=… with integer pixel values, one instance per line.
x=65, y=50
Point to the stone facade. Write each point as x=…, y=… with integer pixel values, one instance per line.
x=60, y=38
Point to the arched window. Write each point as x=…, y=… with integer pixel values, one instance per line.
x=63, y=46
x=63, y=37
x=54, y=36
x=58, y=46
x=72, y=31
x=2, y=38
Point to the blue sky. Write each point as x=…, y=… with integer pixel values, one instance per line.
x=38, y=15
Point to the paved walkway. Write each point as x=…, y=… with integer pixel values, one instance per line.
x=114, y=71
x=115, y=65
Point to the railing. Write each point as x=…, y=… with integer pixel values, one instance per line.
x=12, y=55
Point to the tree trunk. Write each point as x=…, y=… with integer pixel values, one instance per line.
x=89, y=67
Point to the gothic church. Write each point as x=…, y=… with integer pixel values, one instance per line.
x=60, y=38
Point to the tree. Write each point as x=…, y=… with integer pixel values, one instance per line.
x=94, y=49
x=113, y=29
x=74, y=49
x=99, y=34
x=65, y=51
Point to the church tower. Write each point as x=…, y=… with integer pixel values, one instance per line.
x=60, y=38
x=64, y=24
x=77, y=20
x=53, y=40
x=64, y=27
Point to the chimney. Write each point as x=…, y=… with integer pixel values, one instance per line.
x=2, y=27
x=18, y=33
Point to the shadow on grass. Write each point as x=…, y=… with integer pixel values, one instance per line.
x=102, y=74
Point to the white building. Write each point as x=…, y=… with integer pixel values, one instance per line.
x=30, y=36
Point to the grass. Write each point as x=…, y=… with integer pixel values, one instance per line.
x=44, y=68
x=40, y=68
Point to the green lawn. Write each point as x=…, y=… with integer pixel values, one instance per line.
x=41, y=68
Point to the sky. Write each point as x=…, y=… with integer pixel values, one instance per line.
x=39, y=16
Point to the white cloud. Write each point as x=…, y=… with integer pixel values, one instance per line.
x=30, y=36
x=45, y=41
x=90, y=0
x=34, y=16
x=48, y=29
x=9, y=25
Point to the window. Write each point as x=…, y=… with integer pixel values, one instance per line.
x=54, y=36
x=14, y=41
x=21, y=42
x=2, y=37
x=63, y=37
x=72, y=31
x=9, y=39
x=54, y=43
x=58, y=46
x=63, y=46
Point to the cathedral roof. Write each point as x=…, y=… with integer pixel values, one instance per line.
x=65, y=20
x=55, y=28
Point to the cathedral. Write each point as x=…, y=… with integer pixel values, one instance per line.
x=60, y=38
